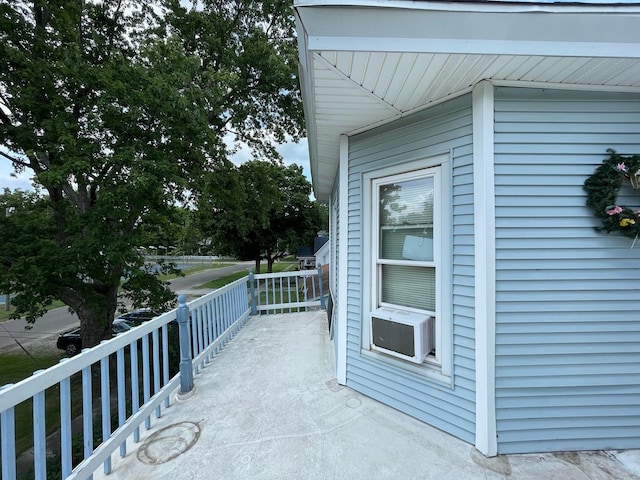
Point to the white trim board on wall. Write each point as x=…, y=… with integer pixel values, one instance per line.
x=343, y=200
x=485, y=264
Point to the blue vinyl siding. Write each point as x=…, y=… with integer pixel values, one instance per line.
x=445, y=127
x=567, y=320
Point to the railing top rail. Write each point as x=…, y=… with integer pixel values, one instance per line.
x=293, y=273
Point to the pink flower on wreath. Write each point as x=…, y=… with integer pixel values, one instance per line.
x=613, y=210
x=621, y=167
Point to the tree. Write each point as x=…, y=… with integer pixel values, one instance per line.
x=118, y=107
x=268, y=213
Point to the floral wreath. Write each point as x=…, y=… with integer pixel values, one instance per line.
x=602, y=194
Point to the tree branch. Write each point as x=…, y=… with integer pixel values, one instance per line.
x=15, y=160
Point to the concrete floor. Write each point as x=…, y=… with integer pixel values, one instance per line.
x=268, y=407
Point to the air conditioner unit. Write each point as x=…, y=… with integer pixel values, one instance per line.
x=406, y=335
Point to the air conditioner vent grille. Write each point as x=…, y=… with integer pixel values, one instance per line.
x=393, y=336
x=402, y=334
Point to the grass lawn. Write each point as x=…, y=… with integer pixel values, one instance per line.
x=282, y=266
x=199, y=268
x=17, y=366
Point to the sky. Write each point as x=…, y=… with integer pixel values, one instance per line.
x=291, y=153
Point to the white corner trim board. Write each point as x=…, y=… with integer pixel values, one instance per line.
x=485, y=261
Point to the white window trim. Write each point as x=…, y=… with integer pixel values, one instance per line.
x=439, y=370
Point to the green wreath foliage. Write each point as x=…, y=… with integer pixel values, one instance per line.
x=602, y=194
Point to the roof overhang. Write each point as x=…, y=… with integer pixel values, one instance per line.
x=366, y=63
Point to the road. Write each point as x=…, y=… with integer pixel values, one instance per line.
x=60, y=319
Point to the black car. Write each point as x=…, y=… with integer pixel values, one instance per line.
x=139, y=316
x=71, y=341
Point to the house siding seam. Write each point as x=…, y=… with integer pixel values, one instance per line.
x=567, y=322
x=445, y=127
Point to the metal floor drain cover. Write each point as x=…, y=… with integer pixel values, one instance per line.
x=168, y=443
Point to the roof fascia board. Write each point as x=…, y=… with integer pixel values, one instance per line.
x=579, y=34
x=308, y=105
x=621, y=6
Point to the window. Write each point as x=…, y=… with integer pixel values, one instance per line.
x=407, y=236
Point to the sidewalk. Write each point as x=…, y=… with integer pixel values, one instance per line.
x=268, y=407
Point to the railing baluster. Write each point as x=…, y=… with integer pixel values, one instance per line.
x=259, y=292
x=273, y=294
x=122, y=411
x=105, y=398
x=313, y=287
x=216, y=324
x=323, y=305
x=194, y=339
x=146, y=387
x=135, y=390
x=210, y=332
x=65, y=425
x=39, y=435
x=165, y=360
x=87, y=411
x=205, y=330
x=200, y=332
x=156, y=367
x=227, y=314
x=8, y=428
x=289, y=293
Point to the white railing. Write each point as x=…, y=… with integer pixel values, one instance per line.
x=287, y=292
x=141, y=393
x=142, y=386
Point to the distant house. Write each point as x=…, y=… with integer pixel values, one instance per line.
x=307, y=256
x=323, y=253
x=451, y=141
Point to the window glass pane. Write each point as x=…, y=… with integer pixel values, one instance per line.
x=409, y=286
x=406, y=220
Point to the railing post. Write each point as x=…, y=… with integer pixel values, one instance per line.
x=323, y=305
x=186, y=367
x=252, y=288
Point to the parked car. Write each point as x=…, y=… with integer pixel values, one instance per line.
x=71, y=341
x=139, y=315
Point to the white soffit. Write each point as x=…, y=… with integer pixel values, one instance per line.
x=363, y=67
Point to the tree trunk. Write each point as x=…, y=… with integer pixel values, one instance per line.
x=270, y=261
x=258, y=264
x=96, y=310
